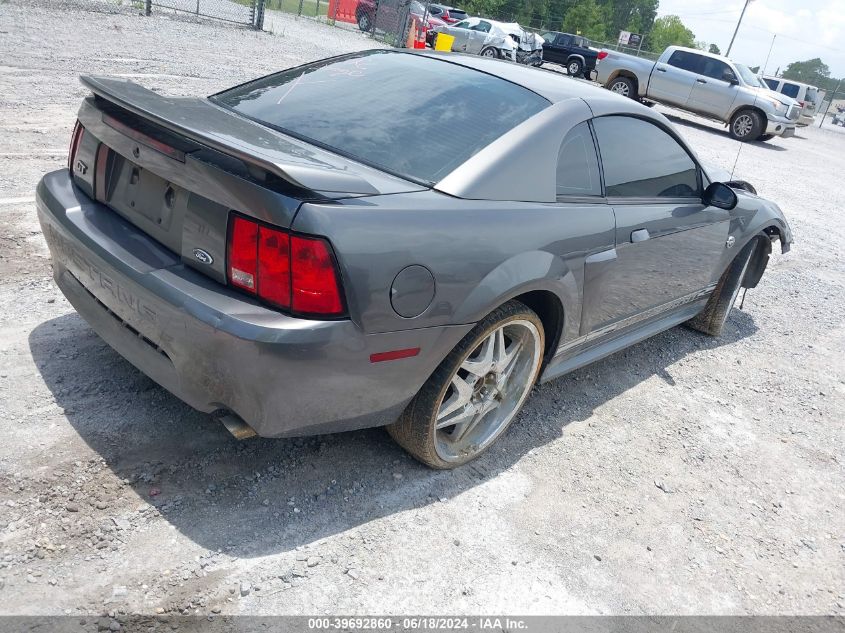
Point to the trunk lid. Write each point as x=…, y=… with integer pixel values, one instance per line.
x=176, y=167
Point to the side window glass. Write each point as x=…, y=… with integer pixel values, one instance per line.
x=563, y=40
x=641, y=160
x=791, y=90
x=715, y=68
x=684, y=60
x=577, y=164
x=771, y=83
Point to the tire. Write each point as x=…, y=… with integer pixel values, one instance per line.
x=711, y=320
x=623, y=86
x=452, y=392
x=746, y=125
x=574, y=67
x=489, y=51
x=364, y=22
x=765, y=137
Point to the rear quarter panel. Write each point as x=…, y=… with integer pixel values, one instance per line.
x=481, y=253
x=619, y=63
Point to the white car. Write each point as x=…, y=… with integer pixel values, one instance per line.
x=839, y=118
x=488, y=38
x=807, y=96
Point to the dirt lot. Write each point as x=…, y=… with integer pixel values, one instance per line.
x=685, y=475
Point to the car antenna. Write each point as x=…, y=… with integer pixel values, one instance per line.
x=736, y=160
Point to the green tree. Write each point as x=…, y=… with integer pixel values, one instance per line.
x=669, y=31
x=636, y=16
x=714, y=49
x=813, y=71
x=587, y=18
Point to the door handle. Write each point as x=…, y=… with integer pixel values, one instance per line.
x=640, y=235
x=660, y=70
x=700, y=81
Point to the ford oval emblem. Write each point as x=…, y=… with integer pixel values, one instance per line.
x=202, y=256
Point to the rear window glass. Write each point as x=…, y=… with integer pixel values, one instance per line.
x=457, y=14
x=387, y=109
x=812, y=95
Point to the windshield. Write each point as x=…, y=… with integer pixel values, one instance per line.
x=383, y=109
x=747, y=76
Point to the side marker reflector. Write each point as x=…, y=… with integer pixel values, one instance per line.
x=394, y=354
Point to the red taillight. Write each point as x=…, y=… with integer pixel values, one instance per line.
x=274, y=266
x=75, y=140
x=314, y=281
x=243, y=254
x=801, y=103
x=602, y=54
x=289, y=271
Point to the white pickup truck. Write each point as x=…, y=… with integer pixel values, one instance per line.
x=709, y=85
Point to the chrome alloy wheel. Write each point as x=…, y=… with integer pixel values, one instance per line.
x=487, y=390
x=573, y=68
x=743, y=125
x=621, y=87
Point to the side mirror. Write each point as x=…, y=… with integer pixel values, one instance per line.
x=730, y=77
x=721, y=196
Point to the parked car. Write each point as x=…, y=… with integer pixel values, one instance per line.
x=808, y=97
x=709, y=85
x=573, y=52
x=311, y=268
x=450, y=15
x=488, y=38
x=392, y=16
x=839, y=117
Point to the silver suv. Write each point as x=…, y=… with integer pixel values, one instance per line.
x=710, y=85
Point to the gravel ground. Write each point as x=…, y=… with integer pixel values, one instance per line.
x=685, y=475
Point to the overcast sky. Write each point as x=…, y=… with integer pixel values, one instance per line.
x=805, y=29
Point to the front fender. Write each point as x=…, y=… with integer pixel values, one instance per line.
x=760, y=215
x=526, y=272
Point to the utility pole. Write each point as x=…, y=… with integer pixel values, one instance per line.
x=766, y=65
x=741, y=15
x=830, y=102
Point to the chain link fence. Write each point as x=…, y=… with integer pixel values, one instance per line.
x=400, y=23
x=394, y=22
x=242, y=12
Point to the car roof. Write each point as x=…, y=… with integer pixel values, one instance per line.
x=698, y=51
x=547, y=83
x=791, y=81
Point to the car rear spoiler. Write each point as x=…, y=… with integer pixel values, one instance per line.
x=215, y=127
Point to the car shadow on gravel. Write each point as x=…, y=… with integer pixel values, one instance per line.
x=721, y=132
x=264, y=496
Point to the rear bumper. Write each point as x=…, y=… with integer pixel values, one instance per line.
x=216, y=349
x=806, y=119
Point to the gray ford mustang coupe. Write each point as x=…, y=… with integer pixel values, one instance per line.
x=301, y=254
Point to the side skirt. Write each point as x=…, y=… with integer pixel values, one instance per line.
x=563, y=365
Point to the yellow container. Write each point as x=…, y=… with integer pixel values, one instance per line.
x=443, y=42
